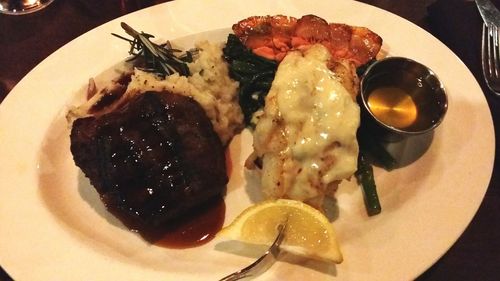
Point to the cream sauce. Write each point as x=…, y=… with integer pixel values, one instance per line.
x=307, y=134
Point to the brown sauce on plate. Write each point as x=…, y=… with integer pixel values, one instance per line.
x=195, y=229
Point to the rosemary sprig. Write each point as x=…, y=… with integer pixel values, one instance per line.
x=161, y=59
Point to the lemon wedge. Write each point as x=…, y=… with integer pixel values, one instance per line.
x=308, y=231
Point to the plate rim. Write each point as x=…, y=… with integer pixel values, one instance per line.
x=13, y=95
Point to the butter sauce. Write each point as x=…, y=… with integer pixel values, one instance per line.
x=402, y=100
x=393, y=106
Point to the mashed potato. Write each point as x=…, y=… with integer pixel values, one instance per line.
x=209, y=84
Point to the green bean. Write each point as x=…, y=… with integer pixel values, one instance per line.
x=364, y=175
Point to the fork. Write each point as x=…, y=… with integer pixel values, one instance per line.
x=264, y=262
x=491, y=57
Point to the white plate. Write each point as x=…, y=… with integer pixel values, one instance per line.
x=53, y=227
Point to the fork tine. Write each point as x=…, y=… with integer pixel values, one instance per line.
x=490, y=55
x=490, y=43
x=490, y=50
x=494, y=34
x=483, y=47
x=486, y=50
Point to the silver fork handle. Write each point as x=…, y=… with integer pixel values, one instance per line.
x=232, y=277
x=256, y=268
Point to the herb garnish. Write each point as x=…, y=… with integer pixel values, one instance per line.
x=161, y=59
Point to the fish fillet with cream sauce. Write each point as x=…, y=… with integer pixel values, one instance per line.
x=305, y=138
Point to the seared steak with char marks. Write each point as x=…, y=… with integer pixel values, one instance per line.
x=152, y=160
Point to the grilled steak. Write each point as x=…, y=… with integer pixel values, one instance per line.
x=152, y=160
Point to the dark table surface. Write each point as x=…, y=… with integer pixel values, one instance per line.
x=26, y=40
